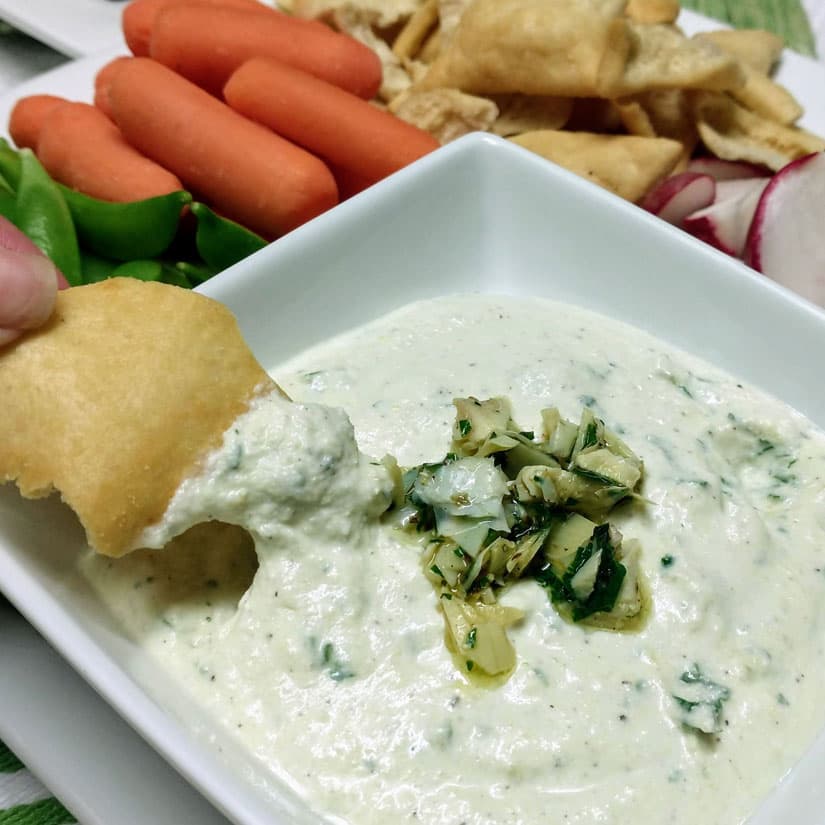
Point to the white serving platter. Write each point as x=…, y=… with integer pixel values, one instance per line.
x=72, y=27
x=478, y=215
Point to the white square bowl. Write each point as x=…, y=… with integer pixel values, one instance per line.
x=480, y=215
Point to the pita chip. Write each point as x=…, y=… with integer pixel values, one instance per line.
x=446, y=114
x=540, y=47
x=732, y=132
x=757, y=48
x=653, y=11
x=118, y=398
x=625, y=164
x=661, y=57
x=529, y=113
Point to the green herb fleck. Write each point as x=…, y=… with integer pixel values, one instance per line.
x=337, y=668
x=471, y=638
x=464, y=426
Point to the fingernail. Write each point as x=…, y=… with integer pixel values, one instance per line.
x=28, y=286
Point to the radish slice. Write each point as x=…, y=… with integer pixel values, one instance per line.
x=785, y=241
x=732, y=189
x=725, y=223
x=720, y=169
x=680, y=195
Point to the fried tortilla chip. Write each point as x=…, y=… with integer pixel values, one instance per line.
x=768, y=99
x=446, y=114
x=529, y=113
x=661, y=57
x=415, y=31
x=542, y=47
x=732, y=132
x=449, y=13
x=625, y=164
x=381, y=13
x=653, y=11
x=757, y=48
x=430, y=48
x=118, y=398
x=759, y=93
x=665, y=113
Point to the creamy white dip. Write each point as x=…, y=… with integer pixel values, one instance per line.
x=332, y=668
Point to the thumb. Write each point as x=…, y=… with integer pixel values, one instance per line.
x=28, y=286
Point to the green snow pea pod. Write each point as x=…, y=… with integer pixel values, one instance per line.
x=9, y=164
x=222, y=242
x=176, y=276
x=194, y=273
x=143, y=270
x=126, y=231
x=8, y=201
x=95, y=268
x=42, y=214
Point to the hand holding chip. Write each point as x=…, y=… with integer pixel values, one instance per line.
x=28, y=284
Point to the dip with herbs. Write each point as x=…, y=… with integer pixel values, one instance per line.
x=589, y=591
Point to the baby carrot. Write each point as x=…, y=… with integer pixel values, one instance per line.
x=27, y=116
x=139, y=17
x=206, y=45
x=103, y=80
x=238, y=167
x=80, y=147
x=328, y=121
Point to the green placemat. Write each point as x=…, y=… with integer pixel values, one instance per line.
x=22, y=798
x=786, y=18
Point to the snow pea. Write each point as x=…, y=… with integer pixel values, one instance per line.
x=143, y=270
x=222, y=242
x=8, y=200
x=95, y=268
x=126, y=231
x=9, y=165
x=42, y=214
x=194, y=273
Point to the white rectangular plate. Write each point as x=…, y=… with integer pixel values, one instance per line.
x=478, y=215
x=73, y=27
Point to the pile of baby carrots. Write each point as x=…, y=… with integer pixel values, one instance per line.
x=263, y=116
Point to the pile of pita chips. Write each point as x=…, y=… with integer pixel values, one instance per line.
x=117, y=400
x=595, y=72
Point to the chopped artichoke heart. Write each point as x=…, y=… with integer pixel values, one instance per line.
x=476, y=421
x=525, y=454
x=496, y=443
x=559, y=434
x=618, y=447
x=469, y=533
x=566, y=538
x=470, y=487
x=447, y=562
x=615, y=469
x=584, y=580
x=536, y=483
x=478, y=634
x=503, y=505
x=629, y=601
x=499, y=554
x=467, y=498
x=591, y=497
x=525, y=551
x=590, y=435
